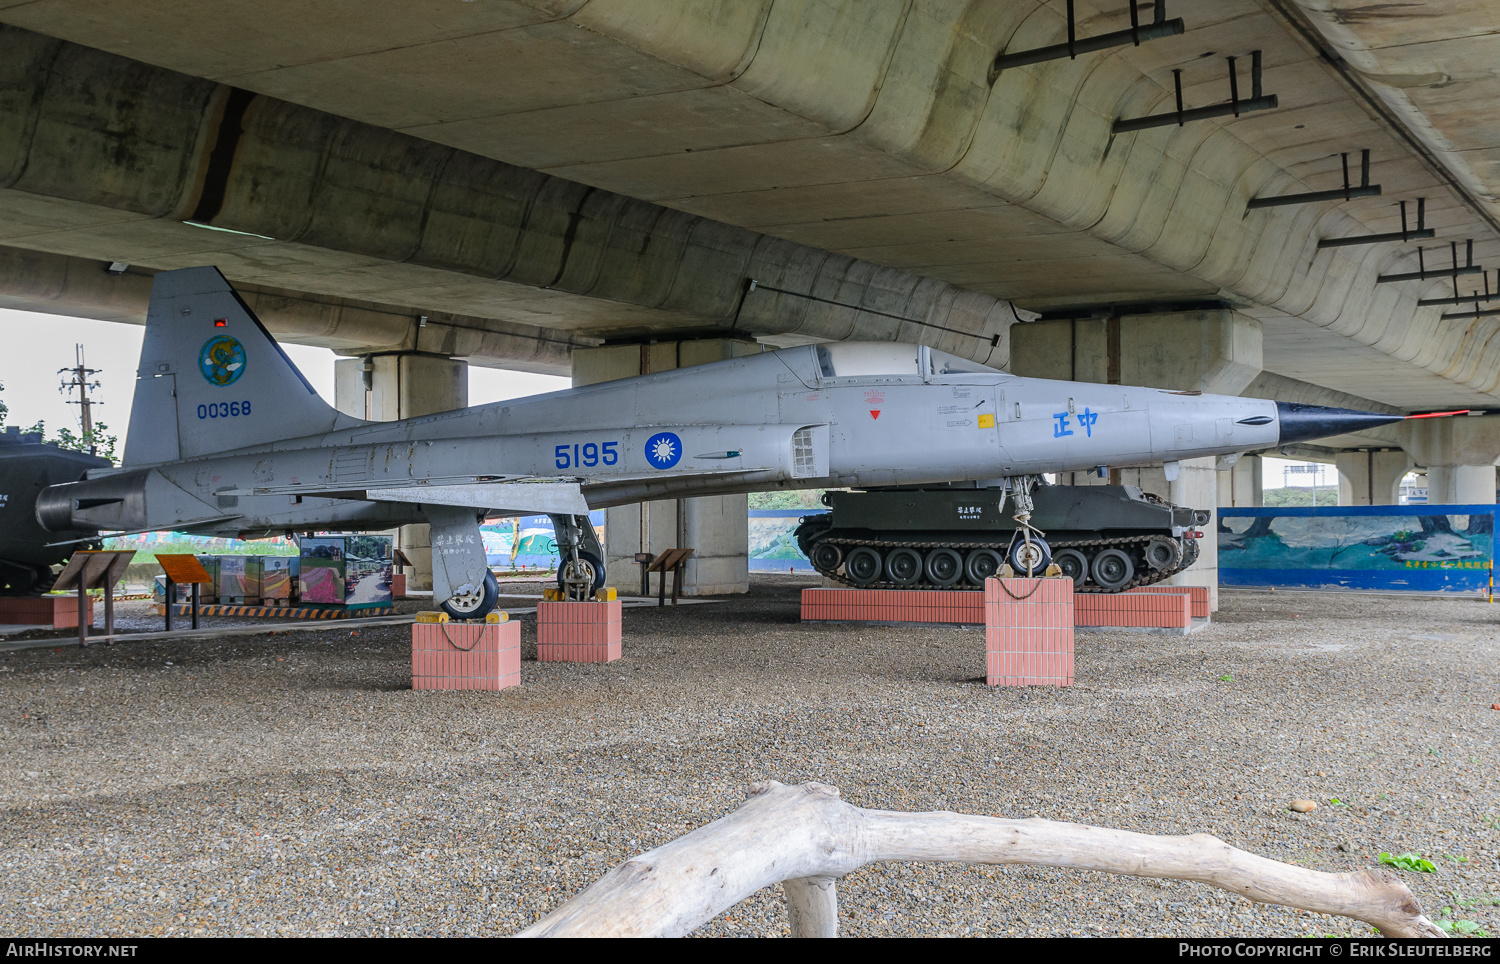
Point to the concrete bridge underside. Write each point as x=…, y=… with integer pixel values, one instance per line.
x=863, y=131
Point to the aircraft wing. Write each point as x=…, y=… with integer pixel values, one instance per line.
x=524, y=498
x=520, y=496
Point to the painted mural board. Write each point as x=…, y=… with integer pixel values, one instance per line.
x=1426, y=548
x=527, y=542
x=772, y=547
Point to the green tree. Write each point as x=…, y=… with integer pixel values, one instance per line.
x=99, y=441
x=788, y=499
x=1292, y=496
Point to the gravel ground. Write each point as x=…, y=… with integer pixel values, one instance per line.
x=294, y=784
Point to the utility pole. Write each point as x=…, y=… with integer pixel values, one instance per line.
x=79, y=379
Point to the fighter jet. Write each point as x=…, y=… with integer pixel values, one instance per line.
x=227, y=438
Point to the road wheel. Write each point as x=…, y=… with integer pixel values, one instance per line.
x=1163, y=553
x=863, y=565
x=982, y=564
x=1112, y=570
x=903, y=566
x=826, y=557
x=1074, y=564
x=943, y=567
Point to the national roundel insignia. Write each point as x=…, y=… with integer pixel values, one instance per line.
x=222, y=360
x=663, y=450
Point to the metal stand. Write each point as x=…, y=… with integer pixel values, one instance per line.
x=1137, y=34
x=1405, y=234
x=94, y=569
x=1235, y=106
x=673, y=561
x=1347, y=193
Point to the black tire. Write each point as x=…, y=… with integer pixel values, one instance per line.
x=476, y=605
x=943, y=567
x=982, y=564
x=1163, y=553
x=1112, y=570
x=826, y=557
x=863, y=565
x=592, y=560
x=903, y=566
x=1040, y=553
x=1074, y=564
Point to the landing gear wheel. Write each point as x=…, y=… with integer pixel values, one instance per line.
x=589, y=570
x=476, y=603
x=943, y=567
x=1112, y=570
x=826, y=557
x=1074, y=565
x=1030, y=556
x=1163, y=553
x=982, y=564
x=903, y=566
x=863, y=566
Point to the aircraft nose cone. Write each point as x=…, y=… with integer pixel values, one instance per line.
x=1300, y=422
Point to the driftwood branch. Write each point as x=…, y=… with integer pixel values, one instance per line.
x=805, y=837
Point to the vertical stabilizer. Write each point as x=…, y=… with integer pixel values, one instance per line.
x=211, y=377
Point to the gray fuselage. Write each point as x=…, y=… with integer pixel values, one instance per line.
x=858, y=415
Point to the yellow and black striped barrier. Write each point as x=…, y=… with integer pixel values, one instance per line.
x=282, y=612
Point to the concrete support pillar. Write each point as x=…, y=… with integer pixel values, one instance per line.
x=1242, y=485
x=716, y=527
x=1460, y=455
x=1371, y=477
x=386, y=387
x=1216, y=351
x=1461, y=484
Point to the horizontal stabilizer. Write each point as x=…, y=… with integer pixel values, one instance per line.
x=529, y=498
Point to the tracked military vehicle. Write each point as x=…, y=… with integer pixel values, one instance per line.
x=27, y=551
x=1106, y=538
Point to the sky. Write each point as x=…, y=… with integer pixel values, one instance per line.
x=36, y=345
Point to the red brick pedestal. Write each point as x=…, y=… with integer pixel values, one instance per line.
x=1134, y=610
x=60, y=611
x=1028, y=632
x=578, y=632
x=465, y=656
x=1198, y=595
x=963, y=607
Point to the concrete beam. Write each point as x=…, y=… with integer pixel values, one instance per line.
x=874, y=131
x=81, y=288
x=1216, y=351
x=105, y=158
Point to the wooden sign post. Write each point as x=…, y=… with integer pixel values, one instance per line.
x=94, y=569
x=183, y=569
x=673, y=561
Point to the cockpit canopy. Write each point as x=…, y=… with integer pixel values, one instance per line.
x=851, y=359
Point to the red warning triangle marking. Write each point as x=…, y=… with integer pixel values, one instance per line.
x=874, y=413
